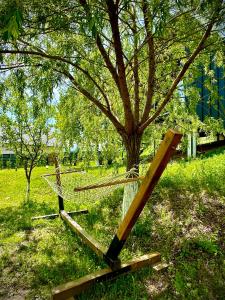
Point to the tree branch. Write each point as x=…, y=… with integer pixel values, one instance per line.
x=135, y=69
x=113, y=19
x=107, y=61
x=119, y=127
x=62, y=59
x=179, y=77
x=151, y=63
x=101, y=49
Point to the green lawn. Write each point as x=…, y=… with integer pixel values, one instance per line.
x=185, y=221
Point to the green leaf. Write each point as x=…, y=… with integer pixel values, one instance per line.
x=11, y=23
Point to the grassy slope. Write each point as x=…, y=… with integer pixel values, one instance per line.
x=184, y=221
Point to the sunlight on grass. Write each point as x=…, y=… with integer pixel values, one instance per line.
x=183, y=220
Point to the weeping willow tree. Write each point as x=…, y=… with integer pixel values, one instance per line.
x=127, y=58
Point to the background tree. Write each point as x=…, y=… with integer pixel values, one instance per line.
x=126, y=57
x=24, y=121
x=83, y=124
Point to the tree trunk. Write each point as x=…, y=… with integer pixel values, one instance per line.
x=28, y=190
x=28, y=171
x=132, y=144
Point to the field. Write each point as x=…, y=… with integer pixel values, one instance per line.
x=184, y=220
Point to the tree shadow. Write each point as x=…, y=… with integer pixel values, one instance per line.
x=20, y=217
x=166, y=225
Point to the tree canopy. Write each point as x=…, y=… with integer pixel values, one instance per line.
x=126, y=58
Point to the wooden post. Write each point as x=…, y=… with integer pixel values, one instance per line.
x=194, y=145
x=59, y=184
x=189, y=145
x=165, y=151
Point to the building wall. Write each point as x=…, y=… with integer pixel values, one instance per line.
x=207, y=106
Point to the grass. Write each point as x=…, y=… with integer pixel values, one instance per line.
x=185, y=221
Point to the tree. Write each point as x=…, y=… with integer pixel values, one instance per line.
x=81, y=123
x=126, y=57
x=24, y=123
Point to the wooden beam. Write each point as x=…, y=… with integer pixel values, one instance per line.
x=95, y=186
x=53, y=216
x=165, y=151
x=89, y=240
x=73, y=288
x=160, y=266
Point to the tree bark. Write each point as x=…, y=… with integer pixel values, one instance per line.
x=132, y=144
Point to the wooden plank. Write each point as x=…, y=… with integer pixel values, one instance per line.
x=53, y=216
x=160, y=266
x=165, y=151
x=89, y=240
x=95, y=186
x=73, y=288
